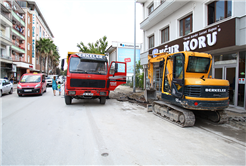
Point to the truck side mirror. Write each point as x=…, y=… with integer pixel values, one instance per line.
x=62, y=64
x=116, y=68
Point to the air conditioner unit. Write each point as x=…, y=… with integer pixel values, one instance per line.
x=14, y=22
x=13, y=52
x=13, y=37
x=23, y=41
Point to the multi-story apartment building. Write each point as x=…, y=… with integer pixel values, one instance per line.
x=6, y=41
x=215, y=27
x=22, y=24
x=36, y=28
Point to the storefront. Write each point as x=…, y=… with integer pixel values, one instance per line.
x=222, y=42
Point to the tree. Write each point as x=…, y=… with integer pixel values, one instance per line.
x=98, y=48
x=46, y=50
x=42, y=49
x=139, y=78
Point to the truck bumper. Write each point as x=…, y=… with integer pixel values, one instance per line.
x=86, y=93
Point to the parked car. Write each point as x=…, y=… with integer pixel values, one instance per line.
x=6, y=87
x=31, y=83
x=49, y=79
x=60, y=78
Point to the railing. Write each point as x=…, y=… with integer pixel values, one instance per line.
x=18, y=34
x=18, y=49
x=7, y=16
x=5, y=37
x=18, y=45
x=20, y=30
x=18, y=18
x=6, y=57
x=19, y=59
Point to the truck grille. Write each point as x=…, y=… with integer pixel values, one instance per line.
x=192, y=91
x=87, y=83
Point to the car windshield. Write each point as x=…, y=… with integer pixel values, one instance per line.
x=87, y=66
x=198, y=64
x=30, y=79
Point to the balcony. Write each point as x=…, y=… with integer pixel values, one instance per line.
x=5, y=58
x=18, y=58
x=5, y=40
x=161, y=12
x=5, y=19
x=19, y=34
x=16, y=17
x=18, y=49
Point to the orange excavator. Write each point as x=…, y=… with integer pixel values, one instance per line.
x=186, y=88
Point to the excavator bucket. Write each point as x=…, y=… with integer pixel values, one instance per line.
x=150, y=94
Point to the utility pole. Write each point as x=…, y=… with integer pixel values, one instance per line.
x=134, y=46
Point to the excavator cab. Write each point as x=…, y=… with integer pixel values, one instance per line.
x=178, y=76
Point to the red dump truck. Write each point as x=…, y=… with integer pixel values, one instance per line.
x=89, y=76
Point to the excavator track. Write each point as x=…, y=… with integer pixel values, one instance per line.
x=176, y=115
x=218, y=117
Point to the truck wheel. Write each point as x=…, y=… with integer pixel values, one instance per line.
x=102, y=100
x=68, y=100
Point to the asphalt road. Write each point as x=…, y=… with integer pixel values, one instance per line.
x=42, y=130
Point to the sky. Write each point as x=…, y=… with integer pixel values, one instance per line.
x=75, y=21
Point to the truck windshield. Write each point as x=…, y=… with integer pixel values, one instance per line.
x=30, y=79
x=87, y=66
x=198, y=64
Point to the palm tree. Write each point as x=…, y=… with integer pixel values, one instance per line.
x=98, y=48
x=42, y=50
x=45, y=48
x=103, y=44
x=52, y=48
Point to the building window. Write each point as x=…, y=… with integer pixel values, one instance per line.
x=28, y=20
x=165, y=35
x=36, y=60
x=219, y=10
x=151, y=8
x=43, y=34
x=40, y=31
x=186, y=25
x=151, y=41
x=162, y=1
x=28, y=32
x=28, y=46
x=28, y=58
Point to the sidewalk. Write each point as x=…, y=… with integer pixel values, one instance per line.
x=126, y=90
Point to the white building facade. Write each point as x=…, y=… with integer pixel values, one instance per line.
x=215, y=27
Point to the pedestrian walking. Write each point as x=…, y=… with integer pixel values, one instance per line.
x=12, y=79
x=5, y=77
x=59, y=87
x=54, y=85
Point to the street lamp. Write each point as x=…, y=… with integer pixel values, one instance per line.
x=134, y=45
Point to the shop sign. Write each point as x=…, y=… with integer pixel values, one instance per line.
x=13, y=67
x=241, y=80
x=127, y=59
x=128, y=45
x=215, y=37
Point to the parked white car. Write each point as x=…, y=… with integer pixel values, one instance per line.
x=6, y=87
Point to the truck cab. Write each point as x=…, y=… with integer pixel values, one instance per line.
x=89, y=76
